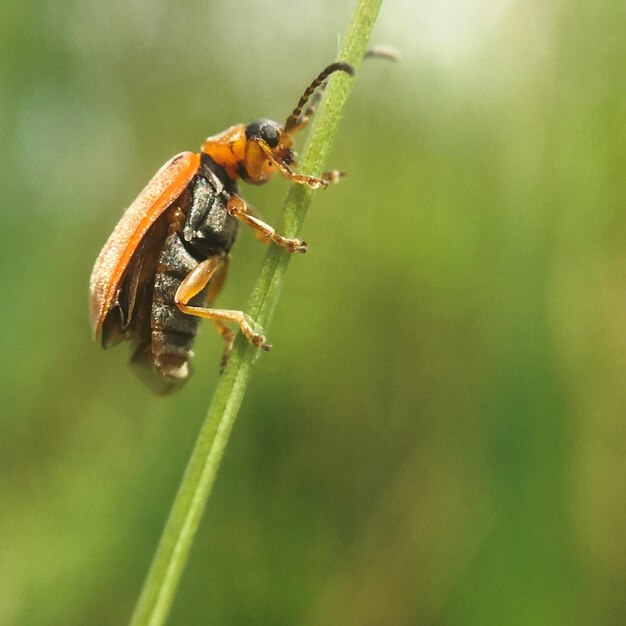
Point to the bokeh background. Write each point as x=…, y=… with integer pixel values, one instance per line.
x=439, y=435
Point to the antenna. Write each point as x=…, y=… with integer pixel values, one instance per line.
x=293, y=119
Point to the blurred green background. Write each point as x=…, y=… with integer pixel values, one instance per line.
x=439, y=435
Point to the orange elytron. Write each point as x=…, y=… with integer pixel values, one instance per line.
x=167, y=258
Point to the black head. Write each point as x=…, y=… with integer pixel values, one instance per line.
x=265, y=129
x=266, y=147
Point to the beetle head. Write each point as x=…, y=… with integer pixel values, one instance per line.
x=268, y=149
x=257, y=151
x=269, y=145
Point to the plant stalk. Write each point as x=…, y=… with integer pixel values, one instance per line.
x=169, y=561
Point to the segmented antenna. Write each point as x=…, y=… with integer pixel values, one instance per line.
x=292, y=120
x=387, y=53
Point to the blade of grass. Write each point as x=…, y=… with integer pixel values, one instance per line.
x=163, y=578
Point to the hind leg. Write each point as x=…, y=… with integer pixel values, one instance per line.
x=199, y=278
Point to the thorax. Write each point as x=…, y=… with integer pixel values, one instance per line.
x=208, y=227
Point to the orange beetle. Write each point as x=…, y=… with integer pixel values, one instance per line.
x=166, y=259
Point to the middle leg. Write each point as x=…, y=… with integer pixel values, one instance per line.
x=237, y=208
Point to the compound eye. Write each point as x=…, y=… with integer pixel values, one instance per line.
x=270, y=135
x=265, y=129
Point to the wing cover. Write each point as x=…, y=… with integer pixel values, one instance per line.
x=166, y=185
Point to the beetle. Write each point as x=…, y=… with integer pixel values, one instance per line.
x=167, y=258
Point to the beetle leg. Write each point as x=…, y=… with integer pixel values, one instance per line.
x=259, y=234
x=286, y=171
x=194, y=283
x=237, y=208
x=333, y=176
x=216, y=280
x=229, y=337
x=213, y=288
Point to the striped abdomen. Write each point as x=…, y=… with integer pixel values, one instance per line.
x=172, y=331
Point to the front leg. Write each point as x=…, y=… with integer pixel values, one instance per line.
x=237, y=208
x=285, y=171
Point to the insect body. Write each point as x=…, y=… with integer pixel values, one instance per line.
x=167, y=258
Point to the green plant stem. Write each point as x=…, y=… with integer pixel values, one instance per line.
x=162, y=582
